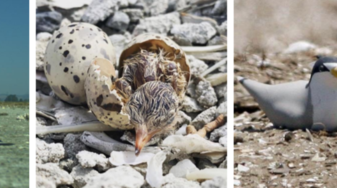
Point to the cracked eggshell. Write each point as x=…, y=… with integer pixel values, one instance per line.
x=105, y=103
x=154, y=42
x=68, y=55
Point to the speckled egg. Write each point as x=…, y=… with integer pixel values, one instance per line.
x=104, y=101
x=69, y=53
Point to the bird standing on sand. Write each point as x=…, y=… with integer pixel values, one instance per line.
x=301, y=104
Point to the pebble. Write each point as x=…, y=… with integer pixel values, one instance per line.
x=217, y=182
x=119, y=21
x=217, y=40
x=170, y=181
x=46, y=153
x=53, y=174
x=222, y=109
x=43, y=37
x=43, y=182
x=219, y=132
x=205, y=163
x=155, y=8
x=119, y=177
x=134, y=14
x=191, y=105
x=206, y=94
x=161, y=24
x=99, y=10
x=194, y=33
x=40, y=51
x=223, y=28
x=204, y=117
x=82, y=175
x=221, y=91
x=220, y=8
x=73, y=144
x=89, y=159
x=48, y=21
x=197, y=66
x=182, y=168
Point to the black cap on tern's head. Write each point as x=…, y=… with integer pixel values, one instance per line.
x=324, y=64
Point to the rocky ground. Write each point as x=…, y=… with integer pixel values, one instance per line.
x=177, y=160
x=270, y=157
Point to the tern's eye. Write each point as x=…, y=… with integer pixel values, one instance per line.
x=322, y=68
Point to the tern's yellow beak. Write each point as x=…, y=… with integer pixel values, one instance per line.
x=334, y=72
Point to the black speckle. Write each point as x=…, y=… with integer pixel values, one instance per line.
x=110, y=119
x=52, y=41
x=60, y=47
x=99, y=100
x=65, y=53
x=72, y=31
x=72, y=25
x=83, y=45
x=65, y=69
x=105, y=41
x=71, y=72
x=88, y=46
x=59, y=35
x=82, y=74
x=48, y=68
x=76, y=78
x=70, y=41
x=61, y=64
x=83, y=57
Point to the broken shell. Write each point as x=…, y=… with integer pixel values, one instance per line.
x=162, y=59
x=207, y=174
x=104, y=102
x=129, y=158
x=154, y=175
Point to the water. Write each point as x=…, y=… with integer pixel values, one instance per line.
x=14, y=159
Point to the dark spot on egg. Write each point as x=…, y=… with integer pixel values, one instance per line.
x=83, y=57
x=52, y=41
x=88, y=46
x=61, y=64
x=65, y=69
x=76, y=78
x=70, y=41
x=59, y=35
x=99, y=100
x=105, y=41
x=72, y=25
x=72, y=31
x=65, y=53
x=60, y=48
x=48, y=66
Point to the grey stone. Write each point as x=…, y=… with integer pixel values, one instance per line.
x=221, y=90
x=197, y=66
x=46, y=153
x=217, y=40
x=220, y=8
x=206, y=94
x=223, y=28
x=90, y=160
x=40, y=51
x=134, y=14
x=43, y=36
x=48, y=21
x=119, y=177
x=82, y=175
x=119, y=42
x=204, y=118
x=217, y=182
x=222, y=109
x=194, y=33
x=191, y=89
x=119, y=21
x=205, y=163
x=158, y=7
x=183, y=118
x=99, y=10
x=68, y=164
x=176, y=5
x=182, y=168
x=73, y=144
x=191, y=105
x=43, y=182
x=53, y=174
x=160, y=24
x=170, y=181
x=219, y=132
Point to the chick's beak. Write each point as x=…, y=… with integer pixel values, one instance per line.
x=332, y=68
x=334, y=72
x=142, y=137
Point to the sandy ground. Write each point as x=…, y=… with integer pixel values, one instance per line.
x=270, y=157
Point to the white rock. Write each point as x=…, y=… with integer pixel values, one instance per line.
x=82, y=175
x=43, y=37
x=223, y=28
x=170, y=181
x=40, y=51
x=204, y=117
x=182, y=168
x=53, y=174
x=197, y=66
x=74, y=116
x=120, y=21
x=181, y=130
x=46, y=153
x=134, y=14
x=192, y=144
x=207, y=174
x=221, y=90
x=183, y=118
x=191, y=105
x=299, y=46
x=119, y=177
x=158, y=24
x=154, y=175
x=89, y=160
x=118, y=158
x=43, y=182
x=242, y=168
x=194, y=33
x=217, y=182
x=206, y=94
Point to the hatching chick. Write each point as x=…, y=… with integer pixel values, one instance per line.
x=153, y=108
